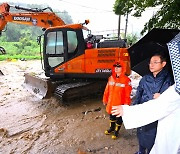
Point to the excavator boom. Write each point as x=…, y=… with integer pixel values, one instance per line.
x=33, y=17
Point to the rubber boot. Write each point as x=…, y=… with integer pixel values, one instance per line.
x=112, y=127
x=116, y=132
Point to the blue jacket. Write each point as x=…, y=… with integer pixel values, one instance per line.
x=148, y=86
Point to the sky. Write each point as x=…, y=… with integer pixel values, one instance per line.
x=99, y=12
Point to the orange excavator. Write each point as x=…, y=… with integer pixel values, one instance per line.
x=74, y=66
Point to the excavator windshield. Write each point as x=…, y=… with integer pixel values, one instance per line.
x=56, y=46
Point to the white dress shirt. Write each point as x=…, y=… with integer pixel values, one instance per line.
x=165, y=109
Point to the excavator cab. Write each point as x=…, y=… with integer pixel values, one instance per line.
x=60, y=46
x=74, y=68
x=66, y=54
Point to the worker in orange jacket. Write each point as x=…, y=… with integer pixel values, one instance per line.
x=117, y=92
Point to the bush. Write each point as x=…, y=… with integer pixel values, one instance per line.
x=18, y=50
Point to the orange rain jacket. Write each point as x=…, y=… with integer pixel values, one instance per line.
x=118, y=90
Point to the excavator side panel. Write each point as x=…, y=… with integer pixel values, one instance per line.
x=76, y=65
x=100, y=60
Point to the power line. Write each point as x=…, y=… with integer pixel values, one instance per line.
x=107, y=30
x=81, y=12
x=86, y=6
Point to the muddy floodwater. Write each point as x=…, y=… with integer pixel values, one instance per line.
x=29, y=125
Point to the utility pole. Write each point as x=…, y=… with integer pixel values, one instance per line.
x=119, y=27
x=126, y=26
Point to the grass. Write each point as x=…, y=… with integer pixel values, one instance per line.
x=21, y=57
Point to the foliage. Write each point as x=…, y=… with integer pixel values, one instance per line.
x=166, y=17
x=10, y=47
x=132, y=39
x=23, y=47
x=65, y=17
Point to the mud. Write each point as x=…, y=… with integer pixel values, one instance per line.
x=29, y=125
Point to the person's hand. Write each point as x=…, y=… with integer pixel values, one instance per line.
x=117, y=110
x=156, y=95
x=104, y=104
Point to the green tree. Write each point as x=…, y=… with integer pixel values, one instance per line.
x=64, y=16
x=12, y=32
x=131, y=39
x=168, y=16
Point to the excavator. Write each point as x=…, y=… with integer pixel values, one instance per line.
x=76, y=63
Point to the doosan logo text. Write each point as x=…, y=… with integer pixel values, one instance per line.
x=21, y=18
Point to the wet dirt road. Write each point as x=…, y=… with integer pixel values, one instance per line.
x=29, y=125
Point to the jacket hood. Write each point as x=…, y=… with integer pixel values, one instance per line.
x=174, y=52
x=122, y=64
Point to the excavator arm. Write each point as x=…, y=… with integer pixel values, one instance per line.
x=32, y=17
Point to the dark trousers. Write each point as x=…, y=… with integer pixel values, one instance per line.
x=118, y=120
x=144, y=150
x=146, y=137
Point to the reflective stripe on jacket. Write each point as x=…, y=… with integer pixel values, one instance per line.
x=117, y=92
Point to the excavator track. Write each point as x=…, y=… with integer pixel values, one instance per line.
x=64, y=90
x=72, y=91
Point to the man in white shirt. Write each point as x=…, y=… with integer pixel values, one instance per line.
x=165, y=109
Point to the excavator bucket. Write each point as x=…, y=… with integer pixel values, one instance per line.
x=40, y=87
x=2, y=50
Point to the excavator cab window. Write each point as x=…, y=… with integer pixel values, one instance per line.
x=72, y=43
x=54, y=43
x=55, y=47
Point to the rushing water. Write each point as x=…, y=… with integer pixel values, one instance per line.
x=29, y=125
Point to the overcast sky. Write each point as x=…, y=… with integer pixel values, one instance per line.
x=99, y=12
